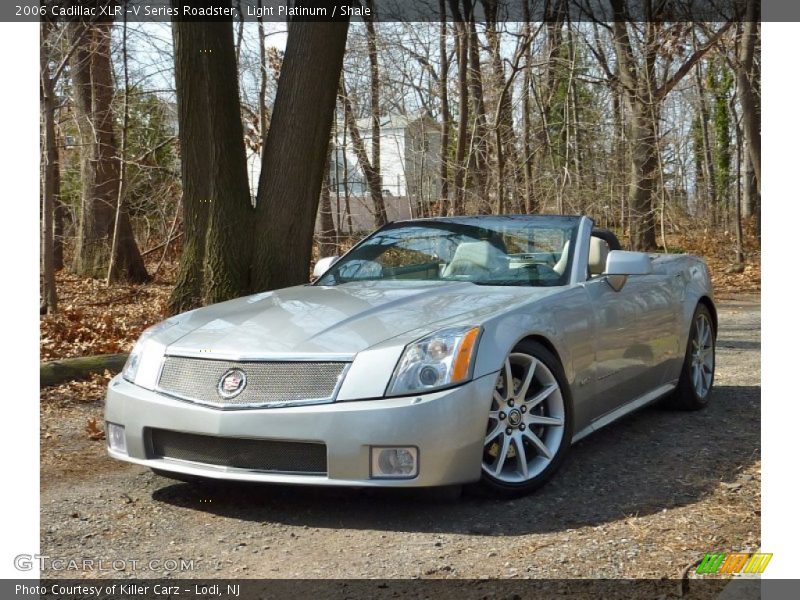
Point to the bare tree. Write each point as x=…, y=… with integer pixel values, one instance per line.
x=295, y=153
x=94, y=92
x=191, y=82
x=746, y=76
x=444, y=67
x=371, y=174
x=644, y=96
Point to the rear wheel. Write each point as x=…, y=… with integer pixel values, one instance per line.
x=697, y=375
x=530, y=422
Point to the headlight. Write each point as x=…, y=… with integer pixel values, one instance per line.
x=132, y=364
x=135, y=357
x=441, y=359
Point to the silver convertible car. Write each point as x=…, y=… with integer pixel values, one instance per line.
x=435, y=352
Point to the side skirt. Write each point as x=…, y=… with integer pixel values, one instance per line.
x=623, y=410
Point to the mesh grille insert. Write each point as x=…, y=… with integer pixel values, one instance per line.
x=272, y=456
x=197, y=379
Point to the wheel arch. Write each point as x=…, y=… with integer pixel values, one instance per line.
x=709, y=304
x=544, y=341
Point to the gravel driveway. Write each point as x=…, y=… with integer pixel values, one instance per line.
x=645, y=497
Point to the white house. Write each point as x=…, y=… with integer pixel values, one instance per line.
x=410, y=155
x=410, y=149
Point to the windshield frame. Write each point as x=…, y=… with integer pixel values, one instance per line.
x=453, y=223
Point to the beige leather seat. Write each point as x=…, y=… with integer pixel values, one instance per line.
x=561, y=265
x=475, y=258
x=598, y=253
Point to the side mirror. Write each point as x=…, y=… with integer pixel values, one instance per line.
x=323, y=264
x=621, y=263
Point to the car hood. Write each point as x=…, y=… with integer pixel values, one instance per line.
x=338, y=320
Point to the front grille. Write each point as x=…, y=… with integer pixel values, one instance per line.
x=197, y=379
x=272, y=456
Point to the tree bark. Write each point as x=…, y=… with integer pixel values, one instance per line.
x=94, y=91
x=295, y=153
x=55, y=372
x=530, y=205
x=751, y=117
x=191, y=83
x=444, y=67
x=230, y=237
x=462, y=51
x=505, y=138
x=327, y=228
x=644, y=163
x=374, y=98
x=49, y=178
x=708, y=161
x=751, y=200
x=479, y=155
x=123, y=146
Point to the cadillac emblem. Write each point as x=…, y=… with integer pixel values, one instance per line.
x=232, y=383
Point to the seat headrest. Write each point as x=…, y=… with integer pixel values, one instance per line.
x=480, y=254
x=561, y=265
x=598, y=253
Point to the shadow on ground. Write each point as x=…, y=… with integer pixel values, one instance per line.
x=650, y=461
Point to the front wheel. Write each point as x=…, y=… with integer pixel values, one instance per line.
x=530, y=422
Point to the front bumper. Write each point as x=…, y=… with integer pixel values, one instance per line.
x=447, y=427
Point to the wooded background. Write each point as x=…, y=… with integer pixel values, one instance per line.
x=650, y=127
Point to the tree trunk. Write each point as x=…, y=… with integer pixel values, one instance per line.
x=55, y=372
x=745, y=76
x=459, y=180
x=123, y=147
x=751, y=201
x=327, y=228
x=505, y=138
x=644, y=163
x=295, y=153
x=374, y=97
x=191, y=84
x=49, y=180
x=229, y=241
x=58, y=219
x=530, y=205
x=94, y=91
x=479, y=156
x=327, y=233
x=708, y=160
x=372, y=176
x=444, y=66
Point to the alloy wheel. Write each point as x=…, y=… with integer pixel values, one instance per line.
x=526, y=420
x=702, y=356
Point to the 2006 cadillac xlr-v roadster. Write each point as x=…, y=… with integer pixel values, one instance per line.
x=436, y=352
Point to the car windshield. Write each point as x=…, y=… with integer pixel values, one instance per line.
x=490, y=250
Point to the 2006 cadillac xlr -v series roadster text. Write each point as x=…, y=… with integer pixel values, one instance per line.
x=435, y=352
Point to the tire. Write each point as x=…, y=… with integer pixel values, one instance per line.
x=537, y=411
x=697, y=374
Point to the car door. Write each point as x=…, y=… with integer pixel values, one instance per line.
x=637, y=337
x=622, y=356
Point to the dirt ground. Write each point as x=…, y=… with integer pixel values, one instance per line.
x=645, y=497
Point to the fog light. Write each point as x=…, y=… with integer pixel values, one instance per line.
x=115, y=434
x=400, y=463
